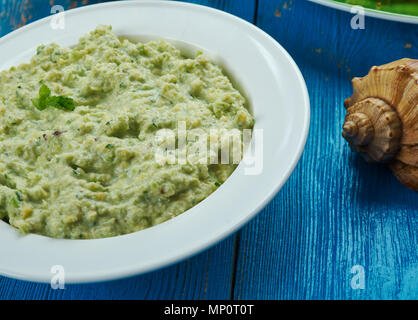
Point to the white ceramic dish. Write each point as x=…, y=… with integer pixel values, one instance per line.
x=279, y=101
x=370, y=12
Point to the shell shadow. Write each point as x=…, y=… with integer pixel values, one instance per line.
x=378, y=187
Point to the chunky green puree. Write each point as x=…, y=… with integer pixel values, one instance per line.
x=77, y=135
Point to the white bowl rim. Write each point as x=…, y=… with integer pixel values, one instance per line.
x=384, y=15
x=141, y=267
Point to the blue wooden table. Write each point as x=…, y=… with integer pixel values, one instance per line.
x=336, y=217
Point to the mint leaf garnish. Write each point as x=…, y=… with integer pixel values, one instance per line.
x=46, y=100
x=44, y=92
x=62, y=102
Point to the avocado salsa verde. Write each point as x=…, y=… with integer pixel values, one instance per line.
x=78, y=128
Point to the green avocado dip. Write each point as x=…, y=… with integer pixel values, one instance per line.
x=78, y=128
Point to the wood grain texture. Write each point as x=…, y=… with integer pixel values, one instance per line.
x=244, y=9
x=336, y=211
x=205, y=276
x=17, y=13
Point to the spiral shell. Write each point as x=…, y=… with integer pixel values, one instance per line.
x=381, y=122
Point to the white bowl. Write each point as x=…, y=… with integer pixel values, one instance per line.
x=380, y=14
x=279, y=100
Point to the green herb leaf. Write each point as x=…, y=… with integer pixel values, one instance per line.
x=46, y=100
x=37, y=104
x=109, y=146
x=44, y=92
x=217, y=184
x=19, y=197
x=61, y=102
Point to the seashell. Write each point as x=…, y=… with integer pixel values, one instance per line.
x=381, y=121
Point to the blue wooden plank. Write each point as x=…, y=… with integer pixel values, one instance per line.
x=244, y=9
x=336, y=211
x=17, y=13
x=205, y=276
